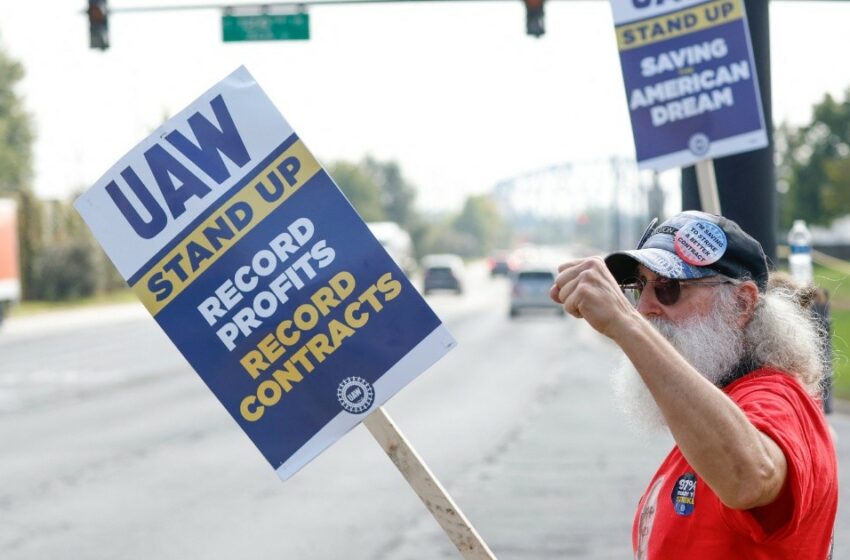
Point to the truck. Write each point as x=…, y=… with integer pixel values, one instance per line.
x=10, y=274
x=397, y=243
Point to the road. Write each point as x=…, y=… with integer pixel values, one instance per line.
x=114, y=448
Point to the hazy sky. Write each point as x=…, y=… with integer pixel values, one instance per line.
x=454, y=91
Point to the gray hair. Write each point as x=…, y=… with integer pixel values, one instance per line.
x=783, y=335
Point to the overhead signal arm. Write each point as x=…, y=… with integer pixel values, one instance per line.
x=98, y=12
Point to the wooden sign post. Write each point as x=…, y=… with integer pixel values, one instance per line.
x=427, y=487
x=709, y=197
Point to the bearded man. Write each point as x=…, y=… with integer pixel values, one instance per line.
x=733, y=370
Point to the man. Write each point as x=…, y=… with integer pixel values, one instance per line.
x=733, y=371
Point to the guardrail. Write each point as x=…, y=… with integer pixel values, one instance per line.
x=819, y=257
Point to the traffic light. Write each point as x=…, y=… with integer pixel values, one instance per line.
x=98, y=25
x=534, y=23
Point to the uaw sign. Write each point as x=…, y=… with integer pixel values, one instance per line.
x=262, y=274
x=690, y=80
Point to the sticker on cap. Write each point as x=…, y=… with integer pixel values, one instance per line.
x=700, y=243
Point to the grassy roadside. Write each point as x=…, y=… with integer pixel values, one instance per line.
x=28, y=308
x=841, y=353
x=838, y=285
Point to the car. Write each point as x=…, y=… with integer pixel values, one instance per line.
x=530, y=287
x=442, y=272
x=501, y=263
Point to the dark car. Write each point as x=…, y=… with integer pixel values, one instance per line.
x=442, y=272
x=501, y=263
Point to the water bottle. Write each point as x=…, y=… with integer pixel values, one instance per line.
x=800, y=259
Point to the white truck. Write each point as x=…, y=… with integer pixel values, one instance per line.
x=397, y=242
x=10, y=275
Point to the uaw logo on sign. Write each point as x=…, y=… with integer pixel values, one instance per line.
x=699, y=144
x=355, y=394
x=690, y=80
x=256, y=266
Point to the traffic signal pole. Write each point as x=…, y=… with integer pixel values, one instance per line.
x=98, y=12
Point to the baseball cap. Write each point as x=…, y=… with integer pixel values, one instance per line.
x=694, y=244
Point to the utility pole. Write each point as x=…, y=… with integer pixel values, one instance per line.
x=747, y=182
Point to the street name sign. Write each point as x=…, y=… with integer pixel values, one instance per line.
x=690, y=80
x=265, y=27
x=257, y=267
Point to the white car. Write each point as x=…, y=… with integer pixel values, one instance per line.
x=530, y=287
x=397, y=243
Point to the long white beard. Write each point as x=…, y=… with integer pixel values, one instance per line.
x=712, y=344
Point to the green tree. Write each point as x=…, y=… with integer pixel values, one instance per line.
x=361, y=189
x=30, y=241
x=481, y=220
x=441, y=236
x=67, y=262
x=66, y=271
x=397, y=194
x=814, y=169
x=16, y=131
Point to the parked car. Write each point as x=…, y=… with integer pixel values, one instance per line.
x=442, y=272
x=530, y=287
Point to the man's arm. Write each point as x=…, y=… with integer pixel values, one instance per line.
x=743, y=466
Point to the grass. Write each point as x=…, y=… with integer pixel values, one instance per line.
x=838, y=285
x=841, y=353
x=36, y=307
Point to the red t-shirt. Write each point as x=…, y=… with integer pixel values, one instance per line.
x=679, y=516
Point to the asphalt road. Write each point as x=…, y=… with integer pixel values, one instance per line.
x=113, y=448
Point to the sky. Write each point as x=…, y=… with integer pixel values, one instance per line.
x=455, y=92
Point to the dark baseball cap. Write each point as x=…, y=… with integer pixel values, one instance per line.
x=694, y=244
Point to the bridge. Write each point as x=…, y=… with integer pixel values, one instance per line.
x=568, y=191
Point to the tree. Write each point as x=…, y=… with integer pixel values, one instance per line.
x=397, y=195
x=814, y=168
x=360, y=188
x=441, y=236
x=16, y=131
x=482, y=221
x=30, y=240
x=66, y=271
x=63, y=259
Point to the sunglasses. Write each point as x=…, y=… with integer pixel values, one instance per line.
x=667, y=290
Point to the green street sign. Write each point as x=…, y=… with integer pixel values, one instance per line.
x=265, y=27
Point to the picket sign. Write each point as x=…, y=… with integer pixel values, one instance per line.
x=691, y=83
x=707, y=185
x=458, y=528
x=273, y=288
